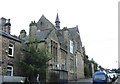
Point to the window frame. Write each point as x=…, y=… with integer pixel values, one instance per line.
x=10, y=70
x=12, y=48
x=71, y=46
x=54, y=49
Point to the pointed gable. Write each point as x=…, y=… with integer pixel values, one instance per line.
x=43, y=34
x=74, y=34
x=44, y=23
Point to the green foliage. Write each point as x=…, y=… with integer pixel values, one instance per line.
x=116, y=70
x=88, y=71
x=35, y=61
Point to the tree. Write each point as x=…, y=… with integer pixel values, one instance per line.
x=35, y=62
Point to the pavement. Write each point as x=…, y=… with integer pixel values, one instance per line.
x=117, y=81
x=89, y=80
x=81, y=81
x=85, y=80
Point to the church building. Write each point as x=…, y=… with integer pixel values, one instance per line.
x=63, y=43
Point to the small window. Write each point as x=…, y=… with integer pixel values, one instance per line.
x=63, y=67
x=71, y=46
x=9, y=70
x=11, y=49
x=41, y=23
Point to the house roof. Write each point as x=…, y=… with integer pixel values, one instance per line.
x=61, y=39
x=43, y=23
x=5, y=34
x=73, y=30
x=43, y=34
x=74, y=34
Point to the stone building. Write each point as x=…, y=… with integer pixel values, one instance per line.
x=64, y=44
x=10, y=54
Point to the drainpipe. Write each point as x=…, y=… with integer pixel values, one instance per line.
x=75, y=66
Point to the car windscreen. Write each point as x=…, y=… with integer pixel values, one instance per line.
x=99, y=77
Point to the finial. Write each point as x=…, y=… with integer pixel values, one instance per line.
x=57, y=21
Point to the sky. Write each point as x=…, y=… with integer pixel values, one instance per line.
x=97, y=21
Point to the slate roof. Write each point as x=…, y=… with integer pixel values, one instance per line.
x=5, y=34
x=73, y=34
x=43, y=34
x=73, y=30
x=45, y=22
x=60, y=36
x=61, y=40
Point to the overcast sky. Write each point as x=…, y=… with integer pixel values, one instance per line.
x=97, y=21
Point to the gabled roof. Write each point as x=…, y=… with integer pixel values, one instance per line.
x=73, y=30
x=44, y=23
x=43, y=34
x=5, y=34
x=74, y=33
x=61, y=39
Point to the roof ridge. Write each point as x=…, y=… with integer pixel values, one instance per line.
x=45, y=29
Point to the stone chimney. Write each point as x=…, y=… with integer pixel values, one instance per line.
x=22, y=34
x=7, y=26
x=65, y=34
x=2, y=23
x=33, y=28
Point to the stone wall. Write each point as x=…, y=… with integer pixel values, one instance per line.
x=15, y=60
x=80, y=66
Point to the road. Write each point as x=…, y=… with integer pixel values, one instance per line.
x=81, y=81
x=117, y=81
x=89, y=81
x=85, y=81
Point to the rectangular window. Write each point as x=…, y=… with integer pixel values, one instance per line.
x=9, y=70
x=63, y=67
x=54, y=50
x=71, y=46
x=11, y=49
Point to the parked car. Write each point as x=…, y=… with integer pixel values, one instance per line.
x=101, y=78
x=113, y=76
x=118, y=74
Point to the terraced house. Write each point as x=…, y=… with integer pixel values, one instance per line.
x=63, y=43
x=10, y=54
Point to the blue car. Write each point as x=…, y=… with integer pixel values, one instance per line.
x=101, y=78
